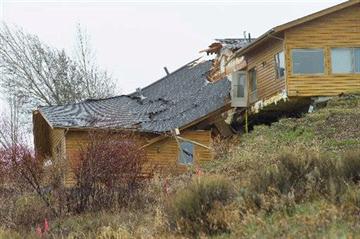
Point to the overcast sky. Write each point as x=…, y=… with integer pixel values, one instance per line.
x=134, y=41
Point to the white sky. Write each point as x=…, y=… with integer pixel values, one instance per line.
x=134, y=40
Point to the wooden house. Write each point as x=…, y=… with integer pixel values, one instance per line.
x=183, y=101
x=315, y=56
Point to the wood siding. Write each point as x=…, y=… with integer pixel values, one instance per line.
x=41, y=132
x=163, y=153
x=339, y=29
x=263, y=60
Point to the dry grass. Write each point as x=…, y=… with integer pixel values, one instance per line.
x=285, y=180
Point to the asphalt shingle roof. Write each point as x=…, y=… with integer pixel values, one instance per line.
x=174, y=101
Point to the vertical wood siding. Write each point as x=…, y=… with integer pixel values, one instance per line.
x=339, y=29
x=263, y=59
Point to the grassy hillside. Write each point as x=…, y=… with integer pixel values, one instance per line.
x=298, y=178
x=334, y=129
x=329, y=134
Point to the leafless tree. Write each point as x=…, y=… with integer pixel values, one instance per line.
x=97, y=82
x=10, y=124
x=41, y=75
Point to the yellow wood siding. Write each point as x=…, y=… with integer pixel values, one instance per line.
x=75, y=142
x=163, y=154
x=57, y=142
x=339, y=29
x=263, y=59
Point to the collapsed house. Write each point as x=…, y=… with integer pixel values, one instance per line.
x=284, y=71
x=175, y=117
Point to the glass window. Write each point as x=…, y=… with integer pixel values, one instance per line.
x=308, y=61
x=280, y=65
x=239, y=85
x=345, y=60
x=186, y=153
x=252, y=80
x=341, y=60
x=357, y=60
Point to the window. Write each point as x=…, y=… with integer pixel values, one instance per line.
x=345, y=60
x=253, y=86
x=308, y=61
x=238, y=82
x=280, y=65
x=252, y=80
x=186, y=153
x=357, y=60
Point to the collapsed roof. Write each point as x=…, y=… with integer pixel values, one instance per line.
x=174, y=101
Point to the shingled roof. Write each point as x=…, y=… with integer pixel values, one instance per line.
x=174, y=101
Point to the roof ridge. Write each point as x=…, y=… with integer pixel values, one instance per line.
x=164, y=77
x=84, y=101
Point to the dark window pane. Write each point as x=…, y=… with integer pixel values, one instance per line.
x=280, y=65
x=186, y=153
x=308, y=61
x=252, y=75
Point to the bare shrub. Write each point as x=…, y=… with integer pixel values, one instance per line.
x=223, y=147
x=351, y=166
x=305, y=176
x=30, y=210
x=109, y=172
x=27, y=201
x=191, y=209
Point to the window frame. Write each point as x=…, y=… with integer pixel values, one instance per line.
x=181, y=152
x=353, y=61
x=277, y=65
x=235, y=84
x=307, y=49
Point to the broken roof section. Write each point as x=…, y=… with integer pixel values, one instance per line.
x=174, y=101
x=232, y=44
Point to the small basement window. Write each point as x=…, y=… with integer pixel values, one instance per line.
x=308, y=61
x=280, y=65
x=186, y=153
x=345, y=60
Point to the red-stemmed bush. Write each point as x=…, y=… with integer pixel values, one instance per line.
x=109, y=172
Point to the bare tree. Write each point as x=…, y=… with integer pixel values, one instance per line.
x=40, y=75
x=96, y=80
x=10, y=124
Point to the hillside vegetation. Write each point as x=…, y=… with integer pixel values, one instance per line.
x=298, y=178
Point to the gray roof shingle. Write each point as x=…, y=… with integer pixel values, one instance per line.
x=174, y=101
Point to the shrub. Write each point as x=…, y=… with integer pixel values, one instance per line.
x=305, y=175
x=191, y=209
x=351, y=197
x=351, y=166
x=109, y=171
x=29, y=211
